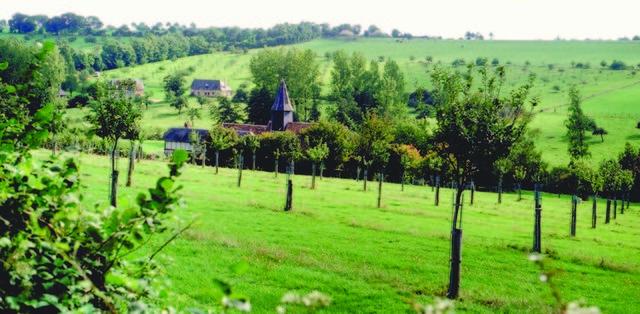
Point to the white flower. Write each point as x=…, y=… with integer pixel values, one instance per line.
x=544, y=278
x=576, y=308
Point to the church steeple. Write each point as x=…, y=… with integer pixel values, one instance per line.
x=282, y=109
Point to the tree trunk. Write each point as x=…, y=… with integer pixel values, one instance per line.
x=615, y=207
x=622, y=200
x=204, y=155
x=365, y=178
x=380, y=178
x=253, y=161
x=437, y=197
x=473, y=190
x=132, y=152
x=321, y=171
x=140, y=153
x=456, y=246
x=240, y=166
x=594, y=208
x=500, y=190
x=275, y=167
x=313, y=176
x=433, y=184
x=519, y=192
x=217, y=160
x=114, y=176
x=607, y=216
x=357, y=173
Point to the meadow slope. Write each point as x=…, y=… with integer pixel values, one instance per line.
x=372, y=259
x=611, y=97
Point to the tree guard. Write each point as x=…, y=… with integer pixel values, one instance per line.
x=574, y=210
x=289, y=199
x=456, y=246
x=537, y=226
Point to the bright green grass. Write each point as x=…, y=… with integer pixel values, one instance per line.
x=379, y=260
x=611, y=97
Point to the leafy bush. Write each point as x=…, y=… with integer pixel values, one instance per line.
x=617, y=65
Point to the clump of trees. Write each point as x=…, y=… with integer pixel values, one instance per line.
x=358, y=89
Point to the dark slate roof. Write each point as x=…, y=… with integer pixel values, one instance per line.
x=246, y=129
x=296, y=127
x=182, y=134
x=282, y=102
x=206, y=85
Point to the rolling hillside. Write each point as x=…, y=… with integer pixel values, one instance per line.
x=612, y=98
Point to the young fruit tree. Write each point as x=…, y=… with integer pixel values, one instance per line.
x=476, y=126
x=519, y=174
x=251, y=143
x=316, y=155
x=501, y=167
x=115, y=116
x=374, y=146
x=221, y=139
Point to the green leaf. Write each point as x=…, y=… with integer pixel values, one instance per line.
x=179, y=156
x=4, y=65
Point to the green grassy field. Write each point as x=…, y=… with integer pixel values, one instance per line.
x=372, y=259
x=611, y=97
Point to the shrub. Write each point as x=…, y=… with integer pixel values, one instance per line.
x=458, y=62
x=617, y=65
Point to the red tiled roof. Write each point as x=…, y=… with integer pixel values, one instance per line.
x=244, y=129
x=296, y=127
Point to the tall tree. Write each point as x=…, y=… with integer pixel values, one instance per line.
x=577, y=126
x=299, y=68
x=475, y=125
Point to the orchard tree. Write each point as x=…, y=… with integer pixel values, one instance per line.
x=115, y=116
x=519, y=174
x=251, y=143
x=476, y=125
x=374, y=146
x=193, y=114
x=221, y=139
x=501, y=167
x=316, y=154
x=577, y=126
x=174, y=85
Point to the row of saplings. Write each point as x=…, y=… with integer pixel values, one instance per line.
x=473, y=129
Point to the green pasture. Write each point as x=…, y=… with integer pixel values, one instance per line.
x=372, y=259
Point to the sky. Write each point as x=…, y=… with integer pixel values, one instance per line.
x=506, y=19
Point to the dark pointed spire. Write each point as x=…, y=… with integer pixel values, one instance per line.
x=282, y=102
